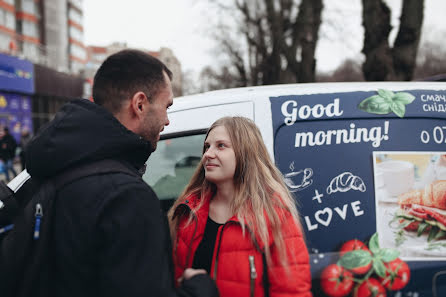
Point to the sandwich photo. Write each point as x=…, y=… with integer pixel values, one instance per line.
x=423, y=211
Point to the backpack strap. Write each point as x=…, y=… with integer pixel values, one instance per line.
x=94, y=168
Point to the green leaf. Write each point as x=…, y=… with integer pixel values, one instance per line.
x=440, y=234
x=374, y=244
x=388, y=255
x=421, y=228
x=355, y=259
x=398, y=108
x=436, y=246
x=375, y=104
x=403, y=97
x=406, y=223
x=400, y=237
x=378, y=266
x=386, y=94
x=433, y=233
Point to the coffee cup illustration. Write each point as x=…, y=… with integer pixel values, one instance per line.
x=396, y=176
x=299, y=180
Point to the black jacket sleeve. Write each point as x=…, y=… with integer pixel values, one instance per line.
x=135, y=256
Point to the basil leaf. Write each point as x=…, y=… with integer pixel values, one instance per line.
x=440, y=234
x=379, y=267
x=374, y=243
x=398, y=108
x=403, y=97
x=433, y=233
x=405, y=223
x=386, y=94
x=421, y=228
x=388, y=255
x=400, y=237
x=375, y=104
x=355, y=259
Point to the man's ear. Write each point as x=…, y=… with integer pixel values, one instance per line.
x=137, y=104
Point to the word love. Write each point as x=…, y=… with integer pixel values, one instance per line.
x=291, y=111
x=325, y=216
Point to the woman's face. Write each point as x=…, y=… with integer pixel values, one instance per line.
x=219, y=157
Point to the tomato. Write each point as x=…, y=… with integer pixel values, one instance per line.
x=336, y=281
x=353, y=245
x=397, y=275
x=370, y=288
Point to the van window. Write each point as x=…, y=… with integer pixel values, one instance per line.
x=171, y=166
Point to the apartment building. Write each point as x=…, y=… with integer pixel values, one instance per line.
x=46, y=32
x=42, y=59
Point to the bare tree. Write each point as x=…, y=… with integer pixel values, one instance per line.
x=275, y=40
x=431, y=59
x=384, y=62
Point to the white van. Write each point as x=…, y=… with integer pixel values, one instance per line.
x=349, y=152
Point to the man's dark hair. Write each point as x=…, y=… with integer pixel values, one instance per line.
x=6, y=129
x=125, y=73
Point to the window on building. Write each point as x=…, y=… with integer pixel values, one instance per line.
x=4, y=41
x=78, y=52
x=31, y=51
x=30, y=29
x=75, y=16
x=29, y=6
x=2, y=17
x=77, y=34
x=77, y=3
x=9, y=1
x=99, y=57
x=9, y=20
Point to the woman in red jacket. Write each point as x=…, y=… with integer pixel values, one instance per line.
x=237, y=220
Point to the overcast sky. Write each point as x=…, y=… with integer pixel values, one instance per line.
x=183, y=26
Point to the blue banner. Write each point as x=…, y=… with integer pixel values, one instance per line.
x=16, y=74
x=15, y=113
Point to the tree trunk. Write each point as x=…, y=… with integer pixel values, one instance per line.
x=378, y=65
x=383, y=62
x=312, y=20
x=406, y=44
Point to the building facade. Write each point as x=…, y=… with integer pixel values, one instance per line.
x=46, y=32
x=48, y=35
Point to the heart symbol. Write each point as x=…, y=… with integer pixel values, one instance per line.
x=326, y=221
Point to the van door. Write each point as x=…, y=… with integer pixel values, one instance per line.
x=179, y=151
x=357, y=164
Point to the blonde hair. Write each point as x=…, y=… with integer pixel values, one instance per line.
x=261, y=196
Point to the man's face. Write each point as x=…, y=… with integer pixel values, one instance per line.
x=156, y=117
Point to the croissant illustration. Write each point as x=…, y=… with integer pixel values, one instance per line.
x=433, y=195
x=345, y=182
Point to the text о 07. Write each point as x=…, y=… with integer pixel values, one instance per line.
x=438, y=135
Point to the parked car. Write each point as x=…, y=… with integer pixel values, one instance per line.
x=353, y=155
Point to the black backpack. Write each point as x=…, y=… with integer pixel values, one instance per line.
x=25, y=249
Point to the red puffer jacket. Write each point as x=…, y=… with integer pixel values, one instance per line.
x=237, y=265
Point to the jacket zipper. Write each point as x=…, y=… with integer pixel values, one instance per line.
x=38, y=215
x=253, y=274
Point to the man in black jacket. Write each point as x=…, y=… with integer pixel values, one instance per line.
x=8, y=146
x=110, y=236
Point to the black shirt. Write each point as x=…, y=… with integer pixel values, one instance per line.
x=205, y=250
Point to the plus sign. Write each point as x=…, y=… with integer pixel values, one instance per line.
x=317, y=196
